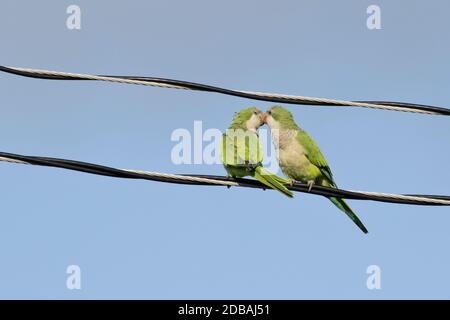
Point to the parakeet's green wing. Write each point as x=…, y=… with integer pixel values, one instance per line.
x=314, y=155
x=247, y=152
x=226, y=149
x=246, y=148
x=249, y=149
x=241, y=149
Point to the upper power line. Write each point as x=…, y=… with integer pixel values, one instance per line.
x=263, y=96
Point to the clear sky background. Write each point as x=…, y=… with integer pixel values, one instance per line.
x=140, y=239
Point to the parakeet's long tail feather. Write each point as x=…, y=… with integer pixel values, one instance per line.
x=342, y=205
x=272, y=181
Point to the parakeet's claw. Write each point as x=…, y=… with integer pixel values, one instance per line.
x=230, y=178
x=310, y=185
x=290, y=182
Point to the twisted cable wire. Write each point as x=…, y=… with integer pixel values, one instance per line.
x=265, y=96
x=220, y=180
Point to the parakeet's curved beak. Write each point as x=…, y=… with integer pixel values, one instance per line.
x=263, y=117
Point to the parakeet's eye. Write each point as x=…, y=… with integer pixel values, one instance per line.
x=255, y=112
x=269, y=112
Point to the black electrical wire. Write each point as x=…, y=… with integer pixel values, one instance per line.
x=208, y=88
x=249, y=183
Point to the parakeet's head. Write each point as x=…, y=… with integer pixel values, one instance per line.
x=278, y=117
x=250, y=118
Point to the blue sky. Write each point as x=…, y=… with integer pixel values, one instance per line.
x=146, y=240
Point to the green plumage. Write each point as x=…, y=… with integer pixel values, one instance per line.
x=241, y=152
x=300, y=157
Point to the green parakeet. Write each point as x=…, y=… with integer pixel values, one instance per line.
x=300, y=158
x=241, y=152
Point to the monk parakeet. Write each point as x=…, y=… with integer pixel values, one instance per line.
x=300, y=158
x=241, y=152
